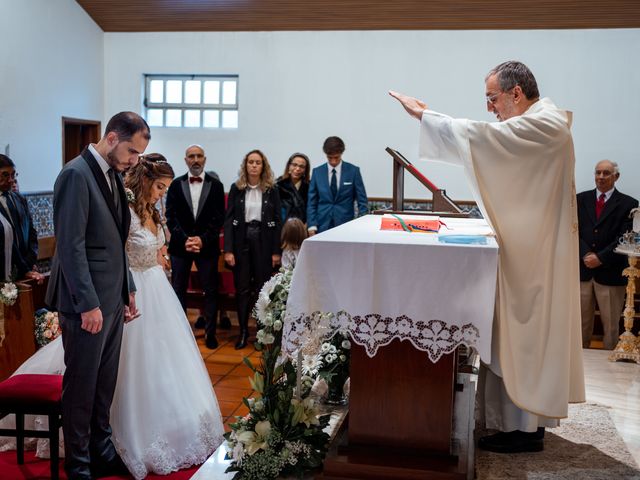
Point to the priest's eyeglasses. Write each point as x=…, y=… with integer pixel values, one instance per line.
x=493, y=98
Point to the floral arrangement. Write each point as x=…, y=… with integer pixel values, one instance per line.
x=283, y=434
x=131, y=197
x=47, y=326
x=8, y=293
x=334, y=358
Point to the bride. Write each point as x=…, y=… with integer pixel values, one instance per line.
x=164, y=414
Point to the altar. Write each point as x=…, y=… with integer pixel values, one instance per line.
x=408, y=301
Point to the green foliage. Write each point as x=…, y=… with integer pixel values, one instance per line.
x=282, y=435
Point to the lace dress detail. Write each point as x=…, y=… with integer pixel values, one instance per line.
x=142, y=245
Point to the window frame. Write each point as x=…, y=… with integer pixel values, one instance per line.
x=201, y=107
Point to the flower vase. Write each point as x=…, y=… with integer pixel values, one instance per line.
x=335, y=393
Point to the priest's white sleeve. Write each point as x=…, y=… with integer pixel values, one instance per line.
x=445, y=139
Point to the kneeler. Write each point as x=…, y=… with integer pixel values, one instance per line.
x=33, y=395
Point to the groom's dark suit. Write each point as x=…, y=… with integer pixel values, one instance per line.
x=206, y=224
x=89, y=270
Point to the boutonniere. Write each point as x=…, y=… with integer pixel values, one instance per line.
x=131, y=197
x=271, y=224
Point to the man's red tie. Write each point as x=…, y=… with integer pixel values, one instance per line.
x=600, y=205
x=198, y=180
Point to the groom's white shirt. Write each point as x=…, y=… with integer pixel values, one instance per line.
x=102, y=163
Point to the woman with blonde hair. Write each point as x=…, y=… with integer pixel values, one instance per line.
x=252, y=233
x=162, y=419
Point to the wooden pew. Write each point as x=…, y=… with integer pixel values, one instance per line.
x=19, y=343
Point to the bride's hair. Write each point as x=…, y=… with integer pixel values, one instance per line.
x=139, y=180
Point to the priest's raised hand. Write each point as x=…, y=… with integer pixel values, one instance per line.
x=413, y=106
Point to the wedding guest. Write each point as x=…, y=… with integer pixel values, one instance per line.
x=252, y=233
x=603, y=216
x=195, y=214
x=294, y=233
x=293, y=187
x=335, y=188
x=15, y=210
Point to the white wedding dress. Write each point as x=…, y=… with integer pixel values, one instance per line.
x=164, y=415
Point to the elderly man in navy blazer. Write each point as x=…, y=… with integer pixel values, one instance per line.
x=603, y=216
x=334, y=189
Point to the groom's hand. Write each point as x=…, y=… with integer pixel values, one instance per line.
x=92, y=320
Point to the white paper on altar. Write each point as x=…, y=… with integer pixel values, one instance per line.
x=392, y=280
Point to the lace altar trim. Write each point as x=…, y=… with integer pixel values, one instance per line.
x=372, y=331
x=161, y=458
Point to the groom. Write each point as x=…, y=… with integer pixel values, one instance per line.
x=92, y=290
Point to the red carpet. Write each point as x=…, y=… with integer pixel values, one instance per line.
x=38, y=469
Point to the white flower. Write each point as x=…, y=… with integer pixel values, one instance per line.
x=277, y=325
x=268, y=339
x=270, y=285
x=346, y=344
x=131, y=197
x=257, y=440
x=343, y=358
x=268, y=319
x=8, y=293
x=238, y=453
x=333, y=349
x=330, y=358
x=262, y=306
x=311, y=364
x=325, y=348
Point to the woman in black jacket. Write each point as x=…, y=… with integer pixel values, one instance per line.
x=293, y=187
x=252, y=233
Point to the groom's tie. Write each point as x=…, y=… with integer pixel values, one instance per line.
x=114, y=191
x=334, y=184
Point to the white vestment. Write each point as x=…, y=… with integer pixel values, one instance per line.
x=521, y=172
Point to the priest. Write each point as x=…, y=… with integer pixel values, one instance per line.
x=521, y=172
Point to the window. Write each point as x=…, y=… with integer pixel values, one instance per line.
x=191, y=101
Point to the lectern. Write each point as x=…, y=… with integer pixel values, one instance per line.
x=441, y=204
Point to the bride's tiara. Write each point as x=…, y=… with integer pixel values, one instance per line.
x=153, y=158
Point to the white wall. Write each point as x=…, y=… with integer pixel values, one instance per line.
x=296, y=88
x=51, y=65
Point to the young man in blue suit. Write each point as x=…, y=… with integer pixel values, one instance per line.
x=334, y=188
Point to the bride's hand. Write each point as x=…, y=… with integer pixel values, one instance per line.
x=163, y=261
x=131, y=311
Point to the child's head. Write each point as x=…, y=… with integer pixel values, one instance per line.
x=293, y=233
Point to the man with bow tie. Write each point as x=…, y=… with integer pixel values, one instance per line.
x=195, y=214
x=603, y=216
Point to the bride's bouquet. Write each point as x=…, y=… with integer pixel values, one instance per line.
x=282, y=434
x=47, y=326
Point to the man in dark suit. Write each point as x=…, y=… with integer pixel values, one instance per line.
x=92, y=289
x=603, y=216
x=334, y=188
x=195, y=214
x=14, y=208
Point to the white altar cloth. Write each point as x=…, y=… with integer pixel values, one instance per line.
x=382, y=285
